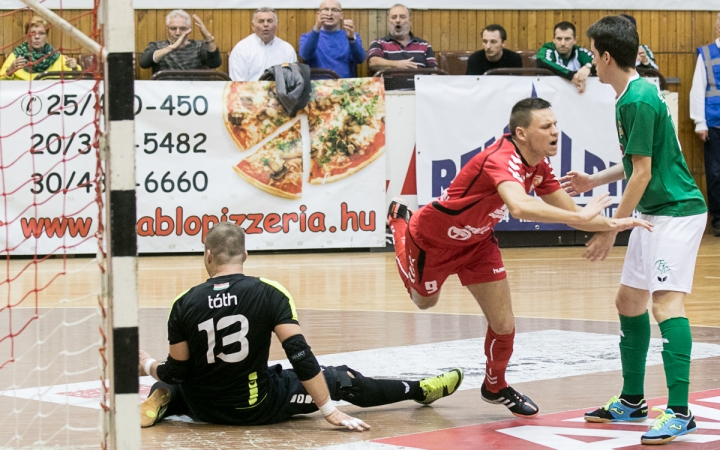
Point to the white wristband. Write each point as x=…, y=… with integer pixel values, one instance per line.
x=327, y=409
x=148, y=365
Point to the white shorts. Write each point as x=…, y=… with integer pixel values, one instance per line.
x=664, y=259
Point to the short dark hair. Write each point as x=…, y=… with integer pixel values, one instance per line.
x=565, y=25
x=496, y=27
x=618, y=37
x=226, y=242
x=521, y=115
x=630, y=18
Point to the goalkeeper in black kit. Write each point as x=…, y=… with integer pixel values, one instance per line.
x=219, y=334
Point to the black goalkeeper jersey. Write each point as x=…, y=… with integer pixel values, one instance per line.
x=228, y=323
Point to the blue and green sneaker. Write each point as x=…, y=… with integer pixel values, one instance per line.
x=667, y=426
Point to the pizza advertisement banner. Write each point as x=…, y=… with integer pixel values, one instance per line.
x=473, y=112
x=209, y=152
x=46, y=151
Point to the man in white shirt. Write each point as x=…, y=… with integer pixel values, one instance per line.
x=260, y=50
x=705, y=111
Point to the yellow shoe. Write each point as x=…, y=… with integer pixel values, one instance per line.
x=440, y=386
x=154, y=407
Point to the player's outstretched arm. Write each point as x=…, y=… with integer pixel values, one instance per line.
x=308, y=371
x=523, y=206
x=576, y=183
x=592, y=220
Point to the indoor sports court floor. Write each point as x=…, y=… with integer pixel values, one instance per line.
x=355, y=311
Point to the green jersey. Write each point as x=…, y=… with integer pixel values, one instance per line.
x=645, y=128
x=565, y=66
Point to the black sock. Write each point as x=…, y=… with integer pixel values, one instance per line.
x=682, y=410
x=383, y=392
x=634, y=399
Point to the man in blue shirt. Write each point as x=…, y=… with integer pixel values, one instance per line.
x=332, y=43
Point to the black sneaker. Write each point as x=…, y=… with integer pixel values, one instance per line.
x=153, y=408
x=619, y=410
x=399, y=210
x=517, y=403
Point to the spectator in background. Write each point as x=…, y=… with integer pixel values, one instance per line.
x=645, y=57
x=262, y=49
x=565, y=58
x=332, y=43
x=400, y=49
x=494, y=54
x=705, y=111
x=177, y=52
x=35, y=55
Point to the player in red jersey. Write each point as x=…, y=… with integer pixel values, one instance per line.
x=454, y=235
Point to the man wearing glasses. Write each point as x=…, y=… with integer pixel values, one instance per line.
x=332, y=43
x=177, y=52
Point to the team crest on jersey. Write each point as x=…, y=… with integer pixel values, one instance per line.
x=221, y=286
x=621, y=132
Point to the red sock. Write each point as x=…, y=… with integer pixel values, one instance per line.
x=399, y=228
x=498, y=349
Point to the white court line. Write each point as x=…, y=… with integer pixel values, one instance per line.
x=538, y=355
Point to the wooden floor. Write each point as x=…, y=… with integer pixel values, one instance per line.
x=347, y=302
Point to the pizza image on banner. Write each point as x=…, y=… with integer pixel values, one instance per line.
x=347, y=127
x=277, y=166
x=252, y=112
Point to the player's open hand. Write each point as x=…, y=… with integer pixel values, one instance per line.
x=340, y=419
x=596, y=206
x=576, y=183
x=629, y=222
x=600, y=245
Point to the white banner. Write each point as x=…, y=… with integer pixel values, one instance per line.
x=191, y=172
x=624, y=5
x=47, y=167
x=457, y=117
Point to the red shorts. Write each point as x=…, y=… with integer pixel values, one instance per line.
x=430, y=265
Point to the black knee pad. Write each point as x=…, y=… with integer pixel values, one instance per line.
x=344, y=387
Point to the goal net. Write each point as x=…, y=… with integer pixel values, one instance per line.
x=53, y=345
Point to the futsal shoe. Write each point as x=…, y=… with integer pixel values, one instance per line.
x=667, y=426
x=518, y=404
x=440, y=386
x=618, y=410
x=399, y=210
x=154, y=407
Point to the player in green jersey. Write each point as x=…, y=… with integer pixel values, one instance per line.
x=658, y=264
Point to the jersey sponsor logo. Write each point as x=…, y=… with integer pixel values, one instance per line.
x=499, y=213
x=662, y=268
x=221, y=286
x=463, y=234
x=500, y=270
x=221, y=300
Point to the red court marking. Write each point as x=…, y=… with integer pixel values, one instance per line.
x=487, y=435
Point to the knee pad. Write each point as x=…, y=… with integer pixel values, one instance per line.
x=345, y=387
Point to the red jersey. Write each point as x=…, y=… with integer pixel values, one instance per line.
x=469, y=209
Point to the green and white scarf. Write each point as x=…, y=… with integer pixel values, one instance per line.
x=39, y=60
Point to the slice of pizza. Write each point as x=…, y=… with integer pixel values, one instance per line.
x=252, y=112
x=276, y=167
x=347, y=127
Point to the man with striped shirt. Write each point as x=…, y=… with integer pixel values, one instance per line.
x=178, y=51
x=400, y=49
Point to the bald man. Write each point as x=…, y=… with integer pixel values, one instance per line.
x=332, y=43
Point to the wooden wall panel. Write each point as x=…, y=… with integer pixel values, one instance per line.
x=672, y=35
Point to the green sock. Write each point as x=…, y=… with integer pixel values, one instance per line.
x=634, y=344
x=677, y=344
